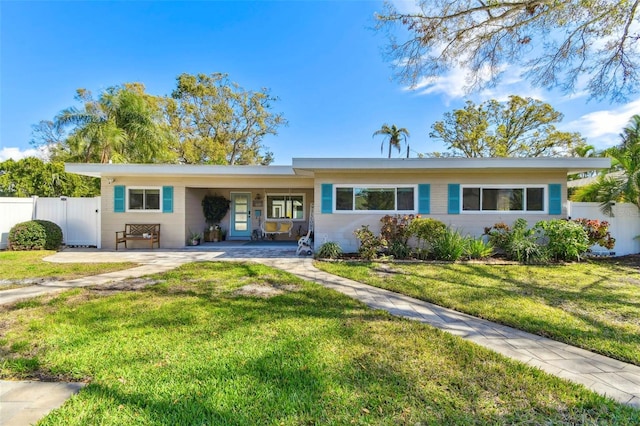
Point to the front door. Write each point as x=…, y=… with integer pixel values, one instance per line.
x=240, y=216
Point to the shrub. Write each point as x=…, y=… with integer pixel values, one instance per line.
x=476, y=248
x=370, y=245
x=214, y=208
x=396, y=228
x=35, y=235
x=524, y=248
x=449, y=245
x=598, y=232
x=329, y=250
x=499, y=235
x=517, y=242
x=426, y=231
x=564, y=239
x=53, y=233
x=399, y=250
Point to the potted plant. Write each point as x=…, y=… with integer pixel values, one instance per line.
x=194, y=238
x=214, y=208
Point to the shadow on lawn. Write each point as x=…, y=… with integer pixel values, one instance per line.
x=593, y=293
x=429, y=378
x=203, y=355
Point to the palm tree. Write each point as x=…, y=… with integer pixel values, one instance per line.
x=395, y=136
x=631, y=134
x=622, y=182
x=584, y=151
x=122, y=125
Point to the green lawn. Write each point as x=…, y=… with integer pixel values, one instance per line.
x=194, y=349
x=594, y=305
x=20, y=265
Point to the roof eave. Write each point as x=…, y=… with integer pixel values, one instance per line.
x=363, y=165
x=111, y=170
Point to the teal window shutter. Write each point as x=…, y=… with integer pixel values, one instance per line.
x=424, y=198
x=555, y=198
x=167, y=199
x=454, y=198
x=327, y=198
x=118, y=199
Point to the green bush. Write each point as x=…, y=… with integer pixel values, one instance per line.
x=524, y=248
x=449, y=245
x=370, y=245
x=426, y=231
x=329, y=250
x=54, y=234
x=564, y=240
x=477, y=248
x=35, y=235
x=399, y=250
x=517, y=242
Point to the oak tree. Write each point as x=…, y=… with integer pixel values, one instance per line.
x=216, y=121
x=559, y=43
x=519, y=127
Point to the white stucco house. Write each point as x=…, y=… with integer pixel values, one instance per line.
x=342, y=194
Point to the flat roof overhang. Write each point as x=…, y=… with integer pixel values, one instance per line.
x=367, y=165
x=307, y=167
x=177, y=170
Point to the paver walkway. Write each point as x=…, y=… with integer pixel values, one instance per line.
x=26, y=402
x=617, y=380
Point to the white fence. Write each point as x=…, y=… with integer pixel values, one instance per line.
x=624, y=226
x=12, y=211
x=79, y=218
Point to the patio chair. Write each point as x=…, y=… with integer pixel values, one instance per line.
x=305, y=243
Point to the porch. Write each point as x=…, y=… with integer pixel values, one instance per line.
x=257, y=217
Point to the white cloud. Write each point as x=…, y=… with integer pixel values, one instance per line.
x=17, y=153
x=406, y=6
x=602, y=128
x=455, y=85
x=452, y=85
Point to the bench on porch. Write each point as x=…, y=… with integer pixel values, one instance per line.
x=139, y=232
x=273, y=227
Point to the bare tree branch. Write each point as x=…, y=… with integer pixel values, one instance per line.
x=559, y=42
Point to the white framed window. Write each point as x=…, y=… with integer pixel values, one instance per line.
x=144, y=198
x=375, y=198
x=285, y=206
x=503, y=198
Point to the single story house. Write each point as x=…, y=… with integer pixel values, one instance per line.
x=342, y=194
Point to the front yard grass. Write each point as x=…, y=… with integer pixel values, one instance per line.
x=16, y=266
x=593, y=305
x=201, y=347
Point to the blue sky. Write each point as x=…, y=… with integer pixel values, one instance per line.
x=322, y=59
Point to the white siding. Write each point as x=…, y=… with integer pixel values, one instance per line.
x=172, y=229
x=339, y=227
